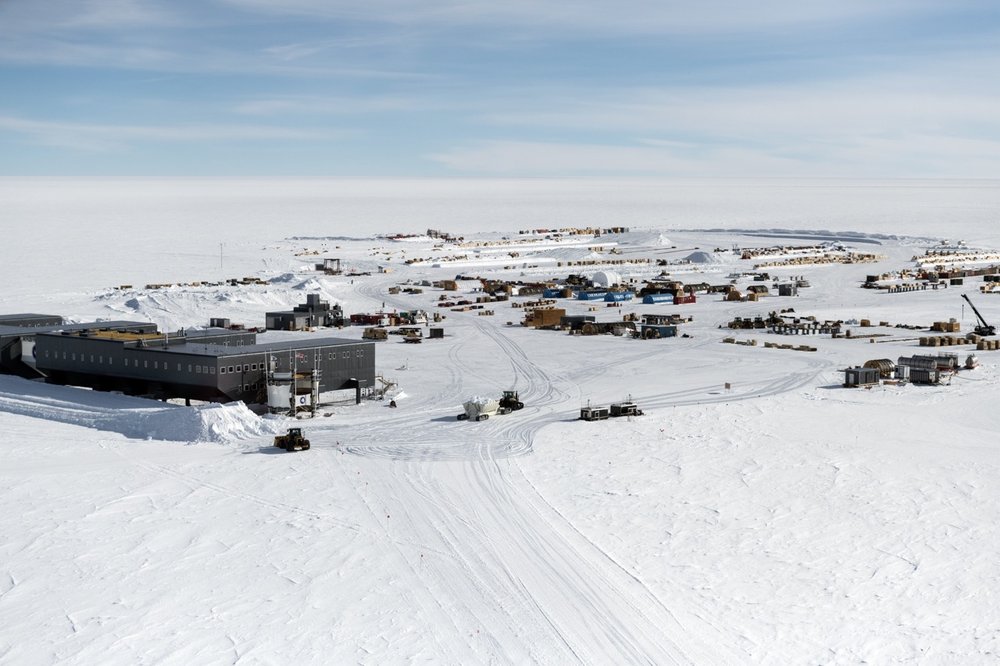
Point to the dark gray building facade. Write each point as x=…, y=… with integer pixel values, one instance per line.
x=213, y=365
x=18, y=332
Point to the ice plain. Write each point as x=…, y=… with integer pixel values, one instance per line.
x=782, y=520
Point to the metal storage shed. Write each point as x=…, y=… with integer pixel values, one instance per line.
x=858, y=376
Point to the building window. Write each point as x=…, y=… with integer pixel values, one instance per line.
x=222, y=370
x=197, y=369
x=156, y=365
x=211, y=370
x=190, y=369
x=91, y=358
x=178, y=367
x=346, y=355
x=360, y=353
x=253, y=366
x=73, y=356
x=246, y=367
x=100, y=359
x=145, y=364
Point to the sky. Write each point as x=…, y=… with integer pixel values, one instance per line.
x=478, y=88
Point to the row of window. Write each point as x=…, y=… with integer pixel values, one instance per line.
x=333, y=355
x=136, y=363
x=72, y=356
x=197, y=369
x=236, y=368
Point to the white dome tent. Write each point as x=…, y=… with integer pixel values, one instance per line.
x=606, y=279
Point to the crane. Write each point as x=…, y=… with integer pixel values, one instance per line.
x=983, y=328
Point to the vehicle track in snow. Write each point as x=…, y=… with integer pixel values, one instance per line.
x=524, y=560
x=540, y=566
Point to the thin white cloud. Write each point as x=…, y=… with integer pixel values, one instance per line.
x=596, y=16
x=334, y=105
x=952, y=97
x=300, y=50
x=206, y=59
x=84, y=136
x=89, y=15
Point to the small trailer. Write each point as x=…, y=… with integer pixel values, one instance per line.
x=625, y=409
x=617, y=409
x=480, y=409
x=594, y=413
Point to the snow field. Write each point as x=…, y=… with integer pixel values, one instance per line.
x=784, y=520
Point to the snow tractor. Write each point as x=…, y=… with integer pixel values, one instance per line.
x=292, y=440
x=510, y=402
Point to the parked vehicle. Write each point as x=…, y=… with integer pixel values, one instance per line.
x=617, y=409
x=594, y=413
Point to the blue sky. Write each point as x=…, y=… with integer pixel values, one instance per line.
x=387, y=88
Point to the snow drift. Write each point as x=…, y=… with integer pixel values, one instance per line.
x=136, y=418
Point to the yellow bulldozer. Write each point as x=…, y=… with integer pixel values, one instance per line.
x=292, y=440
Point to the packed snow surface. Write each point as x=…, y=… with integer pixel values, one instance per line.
x=133, y=417
x=758, y=512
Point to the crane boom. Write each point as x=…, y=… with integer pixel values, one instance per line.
x=983, y=328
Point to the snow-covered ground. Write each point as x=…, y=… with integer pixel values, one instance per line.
x=757, y=512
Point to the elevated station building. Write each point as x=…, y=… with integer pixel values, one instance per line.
x=214, y=364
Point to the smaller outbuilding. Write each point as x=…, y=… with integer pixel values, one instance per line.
x=925, y=376
x=314, y=312
x=885, y=367
x=606, y=279
x=594, y=413
x=653, y=331
x=858, y=376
